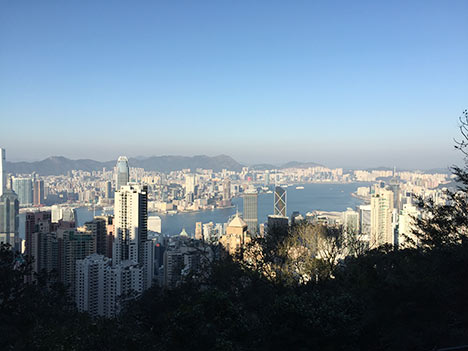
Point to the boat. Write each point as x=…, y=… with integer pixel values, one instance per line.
x=299, y=187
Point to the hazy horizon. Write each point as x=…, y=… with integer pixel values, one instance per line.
x=278, y=163
x=344, y=84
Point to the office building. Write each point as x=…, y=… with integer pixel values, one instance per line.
x=24, y=189
x=108, y=190
x=267, y=178
x=226, y=192
x=236, y=236
x=123, y=172
x=73, y=244
x=277, y=223
x=98, y=229
x=9, y=222
x=130, y=221
x=190, y=182
x=381, y=218
x=131, y=229
x=250, y=215
x=280, y=202
x=38, y=192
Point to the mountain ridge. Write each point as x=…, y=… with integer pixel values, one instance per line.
x=57, y=165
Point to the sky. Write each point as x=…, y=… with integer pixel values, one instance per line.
x=342, y=83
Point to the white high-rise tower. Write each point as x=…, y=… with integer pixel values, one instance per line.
x=381, y=218
x=130, y=220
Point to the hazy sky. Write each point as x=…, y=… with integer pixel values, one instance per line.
x=344, y=83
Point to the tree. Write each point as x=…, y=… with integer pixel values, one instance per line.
x=447, y=224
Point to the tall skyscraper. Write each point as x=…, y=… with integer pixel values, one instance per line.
x=226, y=190
x=39, y=240
x=24, y=189
x=108, y=190
x=131, y=230
x=190, y=182
x=394, y=185
x=251, y=211
x=98, y=228
x=123, y=172
x=267, y=178
x=381, y=218
x=2, y=170
x=9, y=222
x=73, y=244
x=35, y=222
x=280, y=202
x=38, y=192
x=130, y=220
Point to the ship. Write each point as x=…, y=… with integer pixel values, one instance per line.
x=299, y=187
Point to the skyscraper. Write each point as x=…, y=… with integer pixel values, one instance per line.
x=267, y=178
x=251, y=211
x=131, y=230
x=280, y=202
x=73, y=244
x=123, y=173
x=108, y=190
x=9, y=223
x=190, y=182
x=130, y=220
x=381, y=218
x=2, y=170
x=23, y=188
x=227, y=190
x=98, y=228
x=38, y=192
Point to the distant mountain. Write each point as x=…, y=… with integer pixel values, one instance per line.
x=56, y=165
x=174, y=163
x=439, y=170
x=296, y=164
x=263, y=167
x=53, y=166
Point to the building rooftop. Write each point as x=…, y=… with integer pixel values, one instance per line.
x=237, y=222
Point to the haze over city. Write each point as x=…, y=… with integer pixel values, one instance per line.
x=343, y=84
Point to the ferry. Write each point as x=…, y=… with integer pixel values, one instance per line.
x=299, y=187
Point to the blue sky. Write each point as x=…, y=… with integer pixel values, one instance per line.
x=344, y=83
